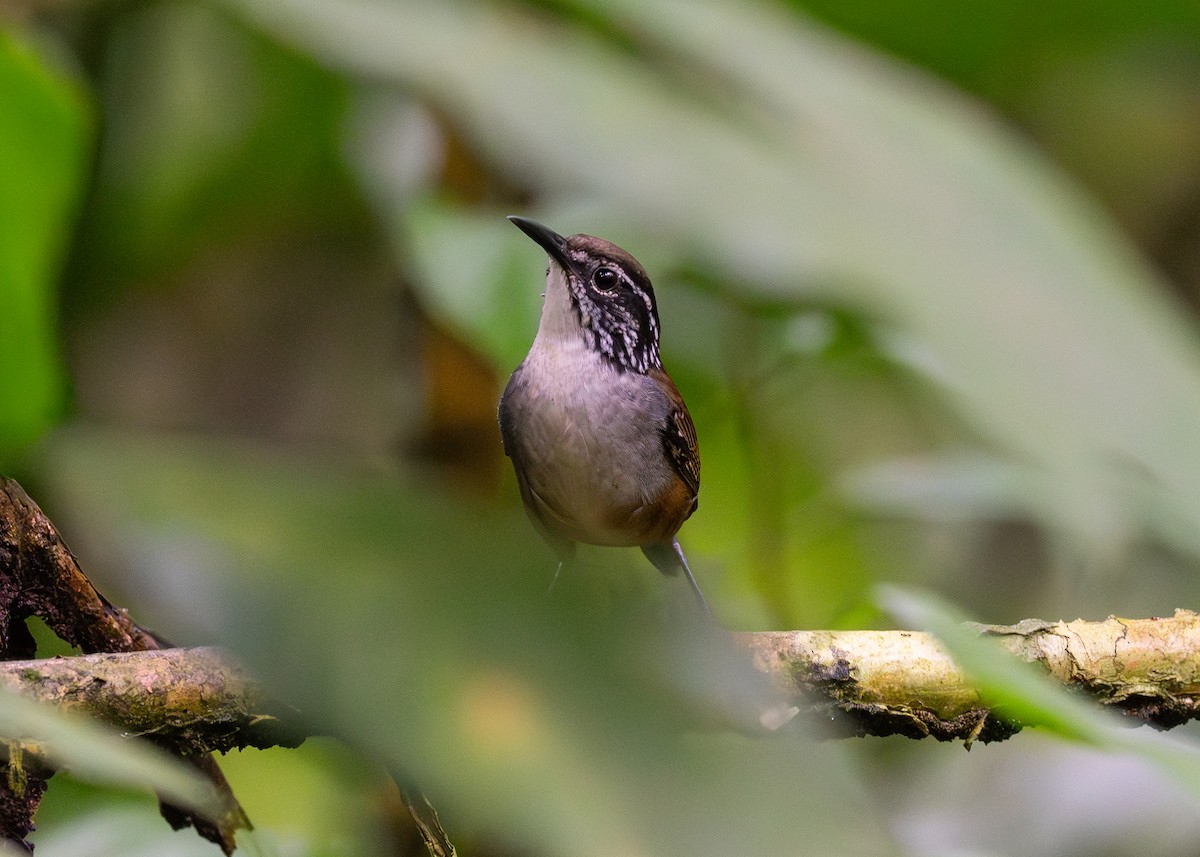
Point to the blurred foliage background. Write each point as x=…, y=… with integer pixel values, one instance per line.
x=928, y=277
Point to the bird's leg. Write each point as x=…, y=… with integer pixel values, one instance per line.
x=669, y=559
x=687, y=571
x=554, y=579
x=565, y=551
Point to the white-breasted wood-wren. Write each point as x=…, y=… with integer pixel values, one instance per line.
x=603, y=446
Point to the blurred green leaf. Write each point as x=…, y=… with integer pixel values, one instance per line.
x=467, y=267
x=320, y=799
x=792, y=163
x=1023, y=692
x=418, y=627
x=43, y=130
x=125, y=830
x=211, y=132
x=331, y=801
x=997, y=48
x=1019, y=689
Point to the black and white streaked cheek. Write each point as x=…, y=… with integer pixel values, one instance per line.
x=620, y=337
x=621, y=325
x=651, y=313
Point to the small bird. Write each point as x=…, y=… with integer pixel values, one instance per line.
x=603, y=446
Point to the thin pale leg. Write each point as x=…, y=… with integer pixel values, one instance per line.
x=554, y=579
x=687, y=572
x=565, y=551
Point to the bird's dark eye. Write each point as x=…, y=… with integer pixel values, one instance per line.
x=605, y=279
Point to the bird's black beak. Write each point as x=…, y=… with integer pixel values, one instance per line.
x=547, y=239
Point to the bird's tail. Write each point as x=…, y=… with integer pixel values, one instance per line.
x=669, y=559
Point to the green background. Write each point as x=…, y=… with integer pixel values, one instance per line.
x=928, y=279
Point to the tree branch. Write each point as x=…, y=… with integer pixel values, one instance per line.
x=863, y=682
x=904, y=683
x=39, y=576
x=192, y=700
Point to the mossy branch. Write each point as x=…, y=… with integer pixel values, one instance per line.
x=904, y=682
x=40, y=577
x=191, y=700
x=861, y=682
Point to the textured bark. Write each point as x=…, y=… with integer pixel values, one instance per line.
x=904, y=683
x=191, y=700
x=856, y=682
x=39, y=576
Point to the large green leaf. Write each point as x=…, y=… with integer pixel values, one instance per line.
x=418, y=627
x=790, y=162
x=42, y=134
x=209, y=130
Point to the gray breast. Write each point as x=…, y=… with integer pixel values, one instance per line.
x=587, y=438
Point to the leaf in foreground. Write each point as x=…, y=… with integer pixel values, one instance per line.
x=1023, y=692
x=94, y=752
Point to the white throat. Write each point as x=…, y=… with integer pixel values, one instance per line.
x=559, y=320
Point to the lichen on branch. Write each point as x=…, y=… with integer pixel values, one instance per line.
x=193, y=700
x=904, y=682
